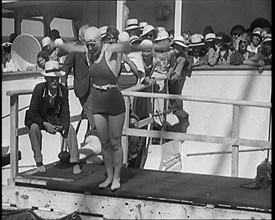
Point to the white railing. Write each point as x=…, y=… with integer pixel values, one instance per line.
x=234, y=141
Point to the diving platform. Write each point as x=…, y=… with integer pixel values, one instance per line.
x=144, y=194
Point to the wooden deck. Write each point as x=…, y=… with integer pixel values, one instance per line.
x=166, y=193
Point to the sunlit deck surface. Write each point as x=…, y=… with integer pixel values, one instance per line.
x=186, y=188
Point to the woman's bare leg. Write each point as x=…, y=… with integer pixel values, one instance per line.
x=102, y=127
x=115, y=132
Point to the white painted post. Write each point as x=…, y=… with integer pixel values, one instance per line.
x=120, y=15
x=235, y=134
x=13, y=138
x=124, y=138
x=178, y=10
x=183, y=150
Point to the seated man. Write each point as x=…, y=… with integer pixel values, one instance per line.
x=49, y=110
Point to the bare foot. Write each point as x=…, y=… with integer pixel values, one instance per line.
x=115, y=185
x=106, y=183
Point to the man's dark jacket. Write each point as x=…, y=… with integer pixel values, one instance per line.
x=39, y=107
x=78, y=61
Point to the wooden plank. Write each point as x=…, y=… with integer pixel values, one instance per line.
x=198, y=99
x=197, y=138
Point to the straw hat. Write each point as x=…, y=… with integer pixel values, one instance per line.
x=162, y=35
x=179, y=40
x=103, y=31
x=257, y=31
x=52, y=69
x=267, y=38
x=143, y=24
x=147, y=29
x=132, y=24
x=197, y=40
x=209, y=37
x=92, y=35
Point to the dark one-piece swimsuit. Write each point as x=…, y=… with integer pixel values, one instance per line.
x=105, y=101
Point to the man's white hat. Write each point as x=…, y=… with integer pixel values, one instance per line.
x=143, y=24
x=52, y=69
x=132, y=24
x=147, y=29
x=209, y=37
x=179, y=40
x=103, y=31
x=267, y=37
x=197, y=40
x=162, y=35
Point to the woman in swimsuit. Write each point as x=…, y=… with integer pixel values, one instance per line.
x=108, y=105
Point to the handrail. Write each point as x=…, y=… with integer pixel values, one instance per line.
x=198, y=99
x=234, y=141
x=7, y=115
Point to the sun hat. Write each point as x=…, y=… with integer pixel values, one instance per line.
x=209, y=37
x=92, y=35
x=267, y=38
x=46, y=41
x=103, y=31
x=147, y=29
x=52, y=69
x=179, y=40
x=134, y=38
x=162, y=35
x=143, y=24
x=132, y=24
x=196, y=40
